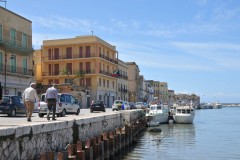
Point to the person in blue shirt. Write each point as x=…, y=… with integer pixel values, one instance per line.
x=51, y=98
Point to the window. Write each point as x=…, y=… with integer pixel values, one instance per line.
x=69, y=53
x=13, y=65
x=82, y=82
x=19, y=94
x=56, y=81
x=104, y=83
x=72, y=99
x=80, y=52
x=69, y=67
x=24, y=40
x=56, y=53
x=88, y=67
x=88, y=51
x=56, y=69
x=24, y=64
x=62, y=98
x=99, y=82
x=88, y=81
x=100, y=97
x=13, y=36
x=107, y=83
x=50, y=81
x=49, y=70
x=49, y=54
x=68, y=98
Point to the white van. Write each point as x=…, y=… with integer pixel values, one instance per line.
x=66, y=104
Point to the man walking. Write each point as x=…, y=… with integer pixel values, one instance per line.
x=51, y=100
x=29, y=96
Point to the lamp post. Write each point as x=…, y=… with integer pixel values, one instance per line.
x=5, y=69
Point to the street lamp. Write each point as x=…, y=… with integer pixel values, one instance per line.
x=5, y=70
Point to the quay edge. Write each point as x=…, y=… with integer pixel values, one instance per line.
x=33, y=140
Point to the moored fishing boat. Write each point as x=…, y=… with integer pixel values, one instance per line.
x=184, y=114
x=157, y=114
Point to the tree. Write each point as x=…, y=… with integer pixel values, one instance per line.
x=65, y=71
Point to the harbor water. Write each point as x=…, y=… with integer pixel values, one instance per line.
x=214, y=135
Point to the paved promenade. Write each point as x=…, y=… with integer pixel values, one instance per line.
x=21, y=120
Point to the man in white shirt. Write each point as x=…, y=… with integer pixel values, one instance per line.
x=29, y=97
x=51, y=99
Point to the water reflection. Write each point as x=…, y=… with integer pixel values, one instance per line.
x=214, y=135
x=162, y=145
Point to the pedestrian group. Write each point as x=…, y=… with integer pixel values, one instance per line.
x=30, y=97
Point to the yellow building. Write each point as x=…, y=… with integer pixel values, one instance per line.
x=86, y=63
x=122, y=81
x=133, y=82
x=16, y=65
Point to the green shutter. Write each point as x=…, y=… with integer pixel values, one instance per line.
x=24, y=40
x=13, y=36
x=13, y=65
x=24, y=64
x=1, y=32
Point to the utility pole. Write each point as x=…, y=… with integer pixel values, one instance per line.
x=4, y=2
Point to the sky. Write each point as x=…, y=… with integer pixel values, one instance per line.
x=193, y=45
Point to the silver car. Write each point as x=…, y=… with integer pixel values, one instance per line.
x=120, y=105
x=66, y=104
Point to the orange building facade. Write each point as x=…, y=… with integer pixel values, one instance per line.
x=86, y=63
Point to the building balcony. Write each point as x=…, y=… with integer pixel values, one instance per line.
x=78, y=56
x=74, y=73
x=123, y=77
x=16, y=70
x=122, y=90
x=16, y=46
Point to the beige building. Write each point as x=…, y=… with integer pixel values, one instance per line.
x=171, y=94
x=16, y=64
x=133, y=82
x=122, y=81
x=163, y=91
x=86, y=63
x=148, y=97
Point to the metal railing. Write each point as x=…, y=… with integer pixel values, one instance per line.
x=75, y=56
x=14, y=44
x=15, y=70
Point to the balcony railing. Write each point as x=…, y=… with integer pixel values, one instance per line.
x=76, y=56
x=15, y=45
x=75, y=73
x=122, y=90
x=123, y=77
x=105, y=73
x=15, y=70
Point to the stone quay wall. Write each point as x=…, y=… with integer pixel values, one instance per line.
x=28, y=142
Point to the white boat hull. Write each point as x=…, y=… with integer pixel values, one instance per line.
x=184, y=118
x=157, y=119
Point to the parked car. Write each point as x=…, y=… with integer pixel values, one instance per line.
x=12, y=105
x=126, y=105
x=132, y=105
x=120, y=105
x=35, y=109
x=117, y=105
x=66, y=104
x=139, y=105
x=97, y=105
